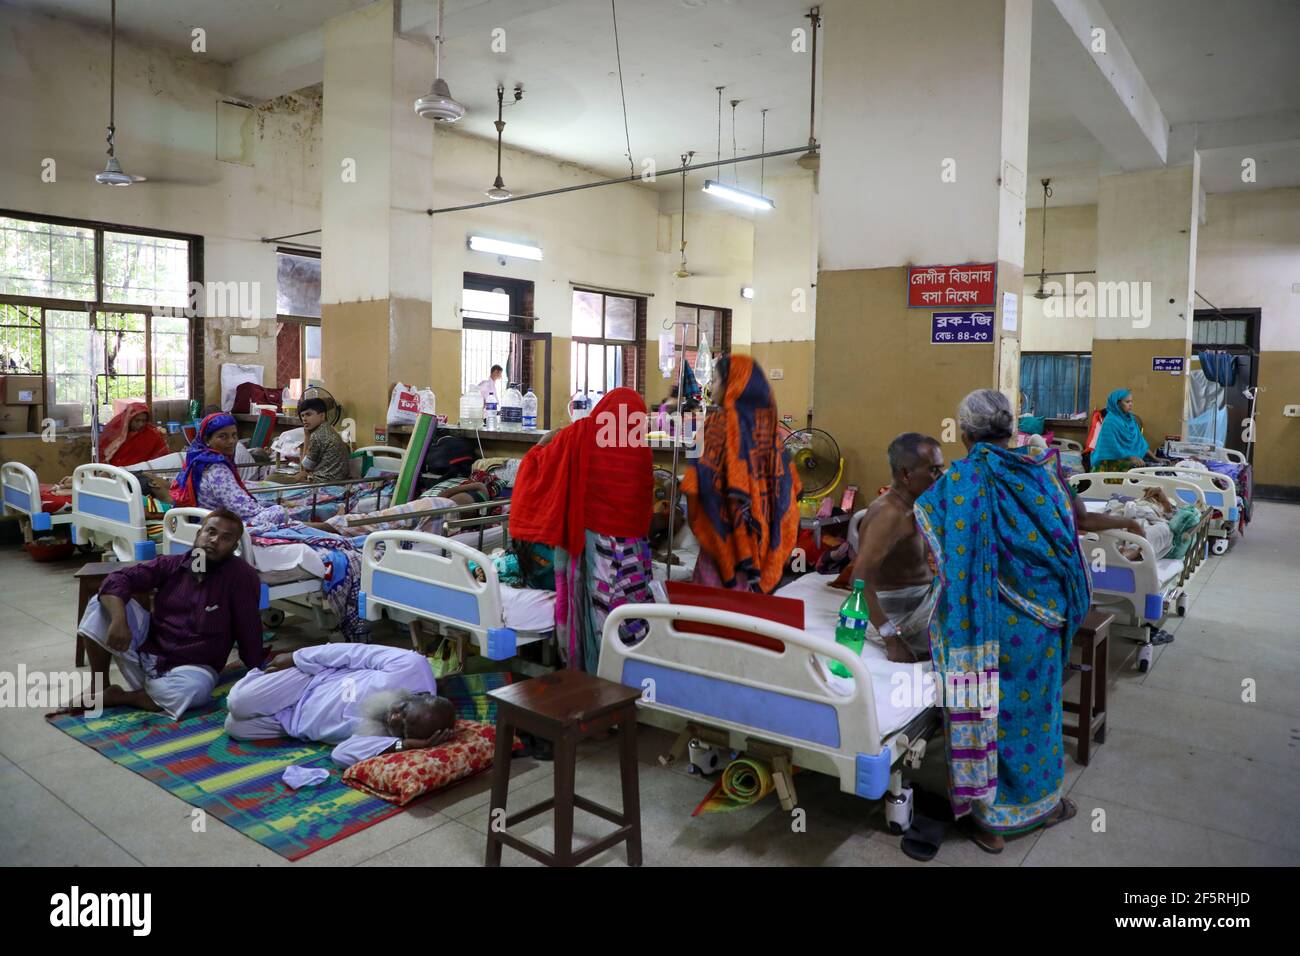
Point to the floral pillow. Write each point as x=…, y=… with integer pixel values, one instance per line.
x=400, y=777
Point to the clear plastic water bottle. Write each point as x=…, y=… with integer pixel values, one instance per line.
x=471, y=409
x=490, y=409
x=512, y=409
x=579, y=406
x=530, y=410
x=851, y=632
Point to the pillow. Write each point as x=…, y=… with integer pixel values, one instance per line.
x=400, y=777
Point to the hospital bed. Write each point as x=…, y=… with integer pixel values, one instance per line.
x=1220, y=493
x=21, y=491
x=417, y=577
x=108, y=512
x=1193, y=449
x=1140, y=591
x=776, y=698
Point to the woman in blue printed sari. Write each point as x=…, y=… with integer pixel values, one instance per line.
x=1002, y=527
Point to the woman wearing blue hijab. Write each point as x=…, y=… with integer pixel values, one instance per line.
x=1120, y=445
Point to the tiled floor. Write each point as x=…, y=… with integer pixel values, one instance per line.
x=1189, y=773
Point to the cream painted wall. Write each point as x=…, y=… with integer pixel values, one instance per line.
x=1071, y=244
x=166, y=119
x=785, y=259
x=1248, y=256
x=890, y=206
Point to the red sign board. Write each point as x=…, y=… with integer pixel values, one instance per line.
x=941, y=287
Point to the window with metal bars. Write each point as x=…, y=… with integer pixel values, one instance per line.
x=608, y=349
x=97, y=309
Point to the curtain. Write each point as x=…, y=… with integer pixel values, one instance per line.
x=1049, y=384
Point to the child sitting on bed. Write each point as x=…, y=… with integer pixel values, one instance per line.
x=524, y=565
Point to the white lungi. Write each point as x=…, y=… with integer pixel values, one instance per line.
x=175, y=691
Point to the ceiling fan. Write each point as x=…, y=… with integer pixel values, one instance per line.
x=1042, y=274
x=682, y=272
x=113, y=175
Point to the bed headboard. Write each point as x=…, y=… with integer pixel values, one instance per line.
x=181, y=530
x=106, y=503
x=429, y=576
x=1190, y=449
x=1220, y=490
x=1100, y=485
x=781, y=696
x=22, y=491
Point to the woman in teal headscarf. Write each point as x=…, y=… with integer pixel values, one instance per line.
x=1014, y=589
x=1120, y=445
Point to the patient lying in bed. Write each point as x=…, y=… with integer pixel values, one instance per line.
x=1167, y=526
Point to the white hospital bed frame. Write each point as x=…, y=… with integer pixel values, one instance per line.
x=108, y=511
x=1195, y=449
x=180, y=531
x=20, y=494
x=1220, y=493
x=765, y=701
x=1136, y=590
x=434, y=583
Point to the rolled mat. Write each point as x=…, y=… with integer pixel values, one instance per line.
x=408, y=477
x=743, y=783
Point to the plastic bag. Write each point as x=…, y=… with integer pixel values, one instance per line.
x=404, y=405
x=428, y=401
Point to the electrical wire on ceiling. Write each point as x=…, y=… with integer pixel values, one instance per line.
x=762, y=148
x=618, y=54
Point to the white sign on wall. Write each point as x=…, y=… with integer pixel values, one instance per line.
x=1010, y=306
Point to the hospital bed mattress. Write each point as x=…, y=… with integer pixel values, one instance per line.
x=821, y=615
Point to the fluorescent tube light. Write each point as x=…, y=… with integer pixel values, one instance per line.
x=741, y=196
x=499, y=247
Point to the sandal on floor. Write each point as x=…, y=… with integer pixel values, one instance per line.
x=923, y=839
x=1161, y=637
x=1066, y=810
x=979, y=836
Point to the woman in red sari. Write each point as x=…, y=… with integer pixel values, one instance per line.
x=130, y=438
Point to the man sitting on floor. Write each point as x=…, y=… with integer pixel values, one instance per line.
x=899, y=584
x=206, y=602
x=366, y=698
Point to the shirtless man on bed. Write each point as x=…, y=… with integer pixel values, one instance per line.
x=898, y=581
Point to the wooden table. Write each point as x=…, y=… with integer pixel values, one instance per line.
x=565, y=707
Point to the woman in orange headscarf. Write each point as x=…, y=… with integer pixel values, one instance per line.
x=742, y=492
x=588, y=492
x=130, y=438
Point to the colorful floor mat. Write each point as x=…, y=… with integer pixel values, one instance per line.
x=238, y=782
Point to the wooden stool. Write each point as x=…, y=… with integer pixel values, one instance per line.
x=89, y=578
x=1093, y=640
x=564, y=708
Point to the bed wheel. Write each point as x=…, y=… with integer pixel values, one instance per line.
x=1145, y=653
x=1220, y=546
x=272, y=617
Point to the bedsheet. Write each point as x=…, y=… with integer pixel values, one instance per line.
x=894, y=708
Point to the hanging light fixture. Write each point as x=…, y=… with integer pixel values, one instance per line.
x=498, y=190
x=113, y=174
x=812, y=160
x=438, y=104
x=733, y=193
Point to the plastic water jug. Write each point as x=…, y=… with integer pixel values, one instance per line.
x=530, y=409
x=512, y=410
x=471, y=409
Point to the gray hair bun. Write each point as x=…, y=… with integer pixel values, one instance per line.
x=985, y=415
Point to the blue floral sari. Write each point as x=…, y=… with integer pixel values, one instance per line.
x=1014, y=591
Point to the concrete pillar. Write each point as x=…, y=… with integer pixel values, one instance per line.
x=911, y=92
x=1146, y=277
x=376, y=249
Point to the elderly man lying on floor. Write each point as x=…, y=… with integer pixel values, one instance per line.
x=205, y=603
x=367, y=699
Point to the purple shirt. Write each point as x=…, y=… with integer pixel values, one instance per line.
x=193, y=621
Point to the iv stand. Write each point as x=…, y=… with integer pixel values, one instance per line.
x=678, y=348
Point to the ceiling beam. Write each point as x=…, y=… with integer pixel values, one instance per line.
x=279, y=68
x=1103, y=85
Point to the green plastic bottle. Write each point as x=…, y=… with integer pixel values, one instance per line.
x=851, y=632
